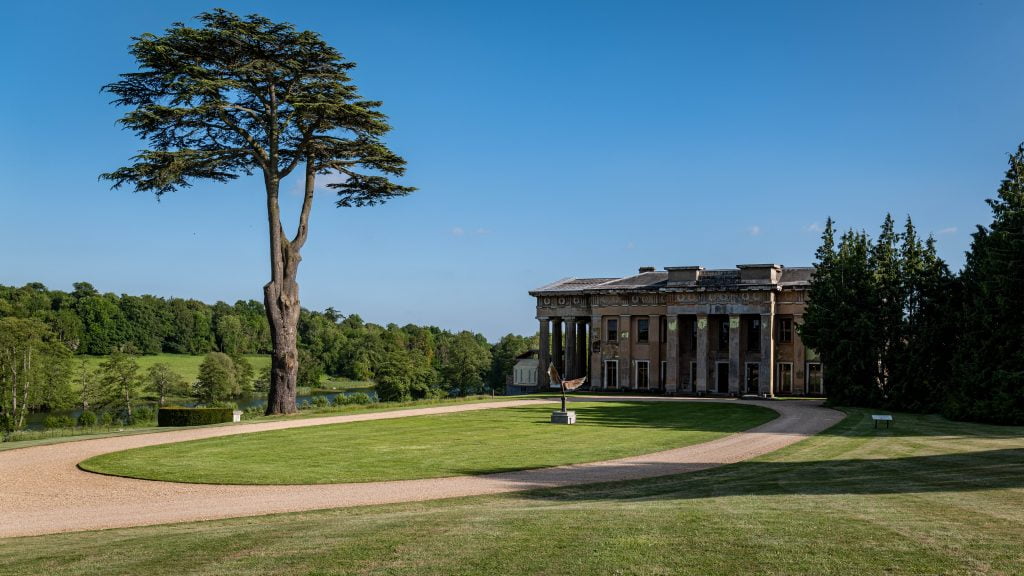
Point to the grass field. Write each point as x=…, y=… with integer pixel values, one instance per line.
x=433, y=446
x=187, y=366
x=926, y=497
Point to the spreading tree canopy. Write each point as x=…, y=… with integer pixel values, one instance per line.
x=243, y=95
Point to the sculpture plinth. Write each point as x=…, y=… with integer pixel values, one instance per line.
x=560, y=417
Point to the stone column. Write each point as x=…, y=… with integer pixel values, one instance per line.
x=734, y=353
x=545, y=354
x=581, y=348
x=596, y=344
x=799, y=360
x=556, y=344
x=625, y=351
x=570, y=348
x=654, y=351
x=766, y=376
x=672, y=355
x=702, y=353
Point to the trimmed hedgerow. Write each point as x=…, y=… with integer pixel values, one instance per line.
x=179, y=416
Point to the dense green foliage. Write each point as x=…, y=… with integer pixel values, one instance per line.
x=34, y=370
x=180, y=416
x=408, y=362
x=472, y=442
x=989, y=382
x=164, y=382
x=896, y=329
x=120, y=384
x=219, y=379
x=91, y=323
x=881, y=314
x=929, y=496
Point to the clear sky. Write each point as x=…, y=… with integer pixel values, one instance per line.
x=548, y=139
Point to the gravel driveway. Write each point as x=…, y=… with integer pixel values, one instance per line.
x=43, y=492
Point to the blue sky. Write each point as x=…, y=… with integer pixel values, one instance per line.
x=548, y=139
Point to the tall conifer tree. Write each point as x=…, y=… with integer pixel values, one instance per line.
x=989, y=384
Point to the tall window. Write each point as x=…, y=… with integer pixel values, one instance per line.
x=754, y=335
x=785, y=380
x=785, y=330
x=693, y=377
x=662, y=328
x=643, y=374
x=753, y=380
x=814, y=383
x=611, y=373
x=613, y=329
x=663, y=374
x=693, y=336
x=723, y=335
x=643, y=329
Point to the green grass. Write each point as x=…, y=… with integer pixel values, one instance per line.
x=61, y=435
x=382, y=450
x=187, y=366
x=926, y=497
x=475, y=442
x=333, y=384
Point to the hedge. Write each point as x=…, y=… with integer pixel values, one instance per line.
x=178, y=416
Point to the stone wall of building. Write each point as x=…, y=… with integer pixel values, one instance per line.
x=685, y=330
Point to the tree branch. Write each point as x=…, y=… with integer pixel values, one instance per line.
x=307, y=205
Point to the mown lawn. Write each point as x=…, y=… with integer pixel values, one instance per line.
x=186, y=365
x=927, y=497
x=434, y=446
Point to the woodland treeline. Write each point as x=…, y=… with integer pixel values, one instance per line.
x=41, y=330
x=897, y=330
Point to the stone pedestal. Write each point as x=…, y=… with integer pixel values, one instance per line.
x=567, y=417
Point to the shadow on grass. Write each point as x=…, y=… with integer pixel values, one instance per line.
x=858, y=422
x=732, y=417
x=961, y=472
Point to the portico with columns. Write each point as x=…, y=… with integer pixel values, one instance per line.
x=683, y=330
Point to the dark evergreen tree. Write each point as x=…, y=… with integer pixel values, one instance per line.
x=839, y=319
x=888, y=294
x=989, y=382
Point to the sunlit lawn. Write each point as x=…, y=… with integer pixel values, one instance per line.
x=926, y=497
x=432, y=446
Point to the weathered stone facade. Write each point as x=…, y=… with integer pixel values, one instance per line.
x=685, y=330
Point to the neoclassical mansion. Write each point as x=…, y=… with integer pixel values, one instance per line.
x=684, y=330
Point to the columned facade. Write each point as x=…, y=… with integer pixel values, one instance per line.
x=684, y=330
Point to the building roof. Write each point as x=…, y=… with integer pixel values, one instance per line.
x=648, y=280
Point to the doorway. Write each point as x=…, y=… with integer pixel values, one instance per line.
x=723, y=377
x=753, y=386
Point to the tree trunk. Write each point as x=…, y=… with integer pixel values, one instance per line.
x=281, y=296
x=282, y=303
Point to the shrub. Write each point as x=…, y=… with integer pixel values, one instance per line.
x=178, y=416
x=321, y=402
x=58, y=422
x=87, y=419
x=143, y=414
x=106, y=419
x=354, y=398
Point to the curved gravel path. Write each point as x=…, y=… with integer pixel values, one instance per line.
x=43, y=492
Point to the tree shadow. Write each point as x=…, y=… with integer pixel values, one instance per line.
x=858, y=422
x=958, y=472
x=699, y=417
